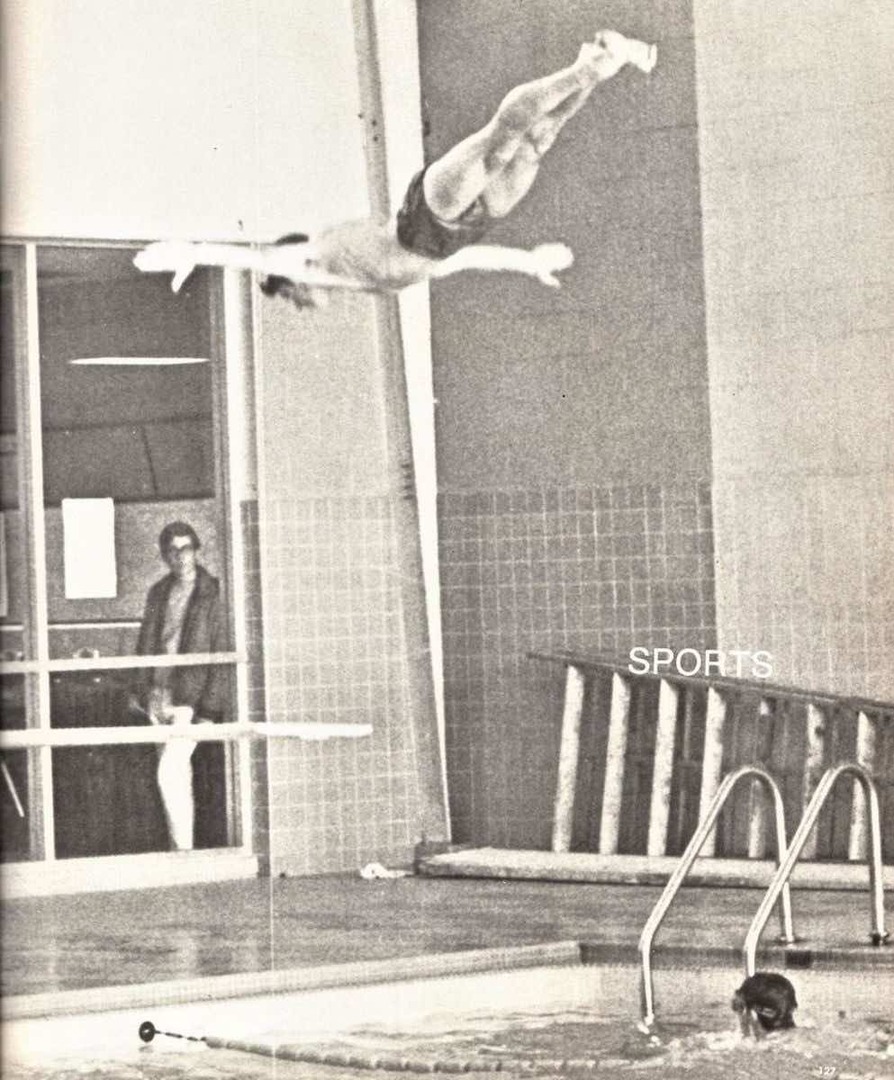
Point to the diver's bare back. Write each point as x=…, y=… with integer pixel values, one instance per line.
x=367, y=253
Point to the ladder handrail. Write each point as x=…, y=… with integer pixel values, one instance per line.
x=647, y=999
x=878, y=934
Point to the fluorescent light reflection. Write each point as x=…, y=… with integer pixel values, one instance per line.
x=137, y=361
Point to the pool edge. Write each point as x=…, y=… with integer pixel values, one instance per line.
x=433, y=965
x=246, y=984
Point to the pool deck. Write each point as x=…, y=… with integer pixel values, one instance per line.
x=68, y=945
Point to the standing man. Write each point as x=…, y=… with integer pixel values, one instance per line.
x=183, y=615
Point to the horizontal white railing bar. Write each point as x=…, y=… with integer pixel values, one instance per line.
x=715, y=682
x=97, y=624
x=119, y=663
x=312, y=731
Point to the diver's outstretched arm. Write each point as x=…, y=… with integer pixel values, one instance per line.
x=542, y=262
x=296, y=262
x=181, y=257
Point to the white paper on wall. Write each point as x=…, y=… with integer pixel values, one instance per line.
x=88, y=528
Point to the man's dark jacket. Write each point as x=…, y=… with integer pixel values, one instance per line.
x=202, y=687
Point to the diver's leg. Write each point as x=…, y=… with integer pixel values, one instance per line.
x=456, y=180
x=532, y=114
x=508, y=186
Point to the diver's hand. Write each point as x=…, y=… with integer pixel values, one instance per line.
x=547, y=260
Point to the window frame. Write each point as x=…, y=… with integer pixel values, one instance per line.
x=235, y=481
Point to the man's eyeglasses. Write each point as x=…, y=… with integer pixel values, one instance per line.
x=175, y=549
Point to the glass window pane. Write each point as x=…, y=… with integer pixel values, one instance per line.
x=122, y=800
x=15, y=839
x=126, y=379
x=128, y=399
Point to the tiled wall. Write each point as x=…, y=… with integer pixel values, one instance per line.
x=797, y=188
x=598, y=569
x=335, y=653
x=257, y=704
x=333, y=625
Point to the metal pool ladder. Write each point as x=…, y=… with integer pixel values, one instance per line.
x=647, y=999
x=878, y=934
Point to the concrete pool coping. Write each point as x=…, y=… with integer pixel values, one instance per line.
x=319, y=977
x=515, y=864
x=435, y=965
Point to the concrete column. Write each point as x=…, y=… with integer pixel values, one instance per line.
x=434, y=821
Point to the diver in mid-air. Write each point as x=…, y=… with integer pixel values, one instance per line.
x=448, y=207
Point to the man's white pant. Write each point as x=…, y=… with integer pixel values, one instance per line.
x=175, y=786
x=175, y=781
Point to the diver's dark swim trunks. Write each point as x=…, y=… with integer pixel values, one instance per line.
x=418, y=229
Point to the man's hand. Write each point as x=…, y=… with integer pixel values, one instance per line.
x=182, y=714
x=547, y=260
x=177, y=714
x=174, y=256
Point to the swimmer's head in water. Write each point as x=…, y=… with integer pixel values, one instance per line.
x=767, y=1000
x=275, y=285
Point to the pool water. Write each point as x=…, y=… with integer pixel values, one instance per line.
x=558, y=1019
x=581, y=1019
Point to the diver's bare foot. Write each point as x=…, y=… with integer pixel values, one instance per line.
x=172, y=256
x=610, y=51
x=642, y=55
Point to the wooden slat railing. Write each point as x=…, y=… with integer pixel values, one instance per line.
x=720, y=691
